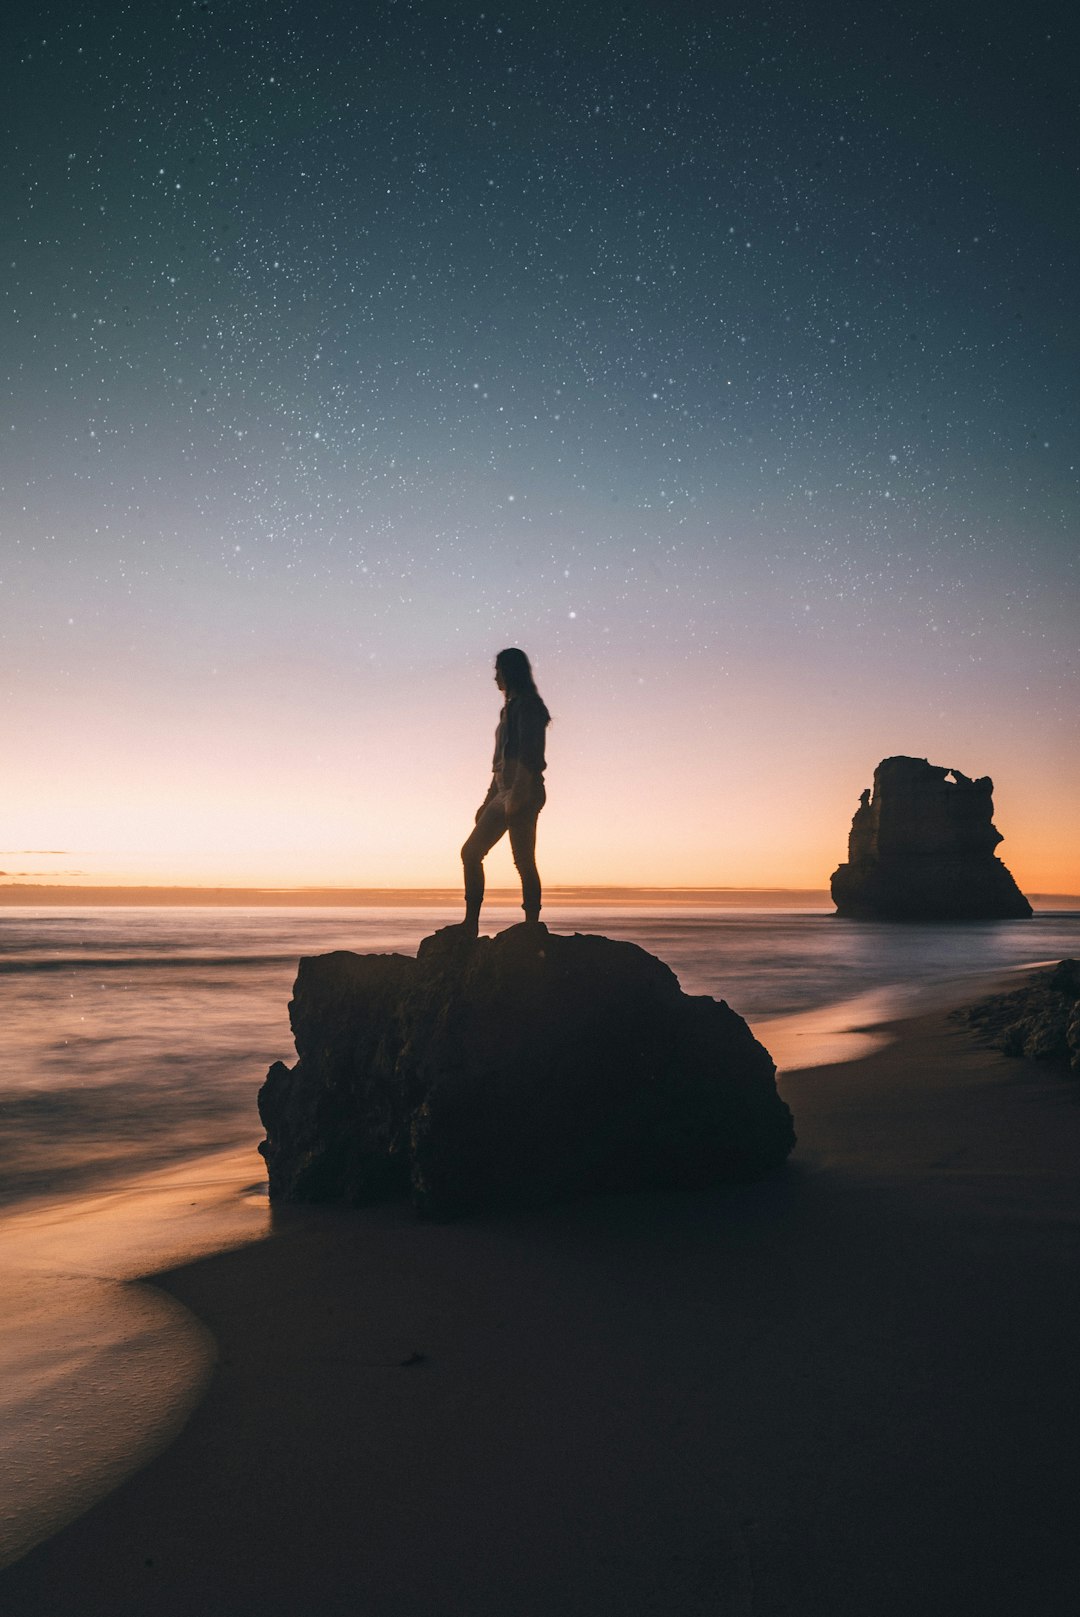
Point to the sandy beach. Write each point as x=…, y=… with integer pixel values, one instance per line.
x=849, y=1389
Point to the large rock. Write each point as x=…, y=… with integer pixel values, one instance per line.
x=922, y=849
x=513, y=1069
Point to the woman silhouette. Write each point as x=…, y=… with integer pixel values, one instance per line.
x=516, y=794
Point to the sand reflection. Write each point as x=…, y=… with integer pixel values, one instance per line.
x=98, y=1371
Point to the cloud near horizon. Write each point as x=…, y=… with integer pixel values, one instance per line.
x=23, y=875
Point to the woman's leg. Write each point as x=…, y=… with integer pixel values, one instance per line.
x=523, y=848
x=489, y=828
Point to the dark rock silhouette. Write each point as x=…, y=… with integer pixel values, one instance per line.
x=1040, y=1020
x=921, y=848
x=513, y=1070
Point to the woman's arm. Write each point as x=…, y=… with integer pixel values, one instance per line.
x=524, y=756
x=520, y=789
x=492, y=792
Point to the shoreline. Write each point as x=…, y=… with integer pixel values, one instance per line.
x=664, y=1403
x=848, y=1030
x=99, y=1367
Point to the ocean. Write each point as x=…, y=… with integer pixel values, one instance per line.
x=134, y=1043
x=137, y=1038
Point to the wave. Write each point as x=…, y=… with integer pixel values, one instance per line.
x=72, y=1136
x=14, y=965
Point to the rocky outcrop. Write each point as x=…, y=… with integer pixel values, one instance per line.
x=513, y=1070
x=1040, y=1020
x=921, y=848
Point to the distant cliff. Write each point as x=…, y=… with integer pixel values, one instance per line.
x=921, y=848
x=513, y=1070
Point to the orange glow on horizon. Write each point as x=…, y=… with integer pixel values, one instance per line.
x=641, y=792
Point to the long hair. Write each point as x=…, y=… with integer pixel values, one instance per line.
x=517, y=676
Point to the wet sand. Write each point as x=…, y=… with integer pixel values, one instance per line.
x=98, y=1369
x=850, y=1389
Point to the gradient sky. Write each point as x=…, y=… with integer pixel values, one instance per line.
x=727, y=365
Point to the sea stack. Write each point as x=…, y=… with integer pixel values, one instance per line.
x=922, y=849
x=513, y=1070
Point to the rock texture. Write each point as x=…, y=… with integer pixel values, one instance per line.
x=922, y=849
x=513, y=1070
x=1040, y=1021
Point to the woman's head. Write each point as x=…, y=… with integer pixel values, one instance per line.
x=515, y=672
x=514, y=675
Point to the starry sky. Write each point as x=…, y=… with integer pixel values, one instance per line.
x=725, y=362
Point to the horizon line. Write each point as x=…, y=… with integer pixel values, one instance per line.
x=341, y=887
x=146, y=893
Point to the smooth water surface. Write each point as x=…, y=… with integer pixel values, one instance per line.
x=138, y=1037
